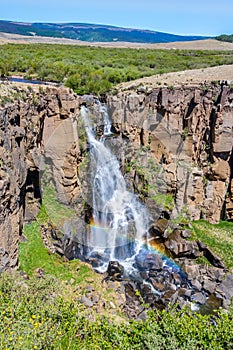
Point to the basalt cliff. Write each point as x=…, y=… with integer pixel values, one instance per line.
x=26, y=125
x=187, y=130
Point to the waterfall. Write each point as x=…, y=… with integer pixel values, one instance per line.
x=107, y=122
x=120, y=221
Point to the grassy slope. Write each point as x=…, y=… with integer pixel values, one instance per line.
x=218, y=237
x=35, y=314
x=52, y=209
x=33, y=255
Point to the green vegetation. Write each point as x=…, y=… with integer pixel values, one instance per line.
x=36, y=260
x=218, y=237
x=33, y=255
x=182, y=218
x=225, y=37
x=97, y=70
x=150, y=182
x=52, y=210
x=165, y=200
x=35, y=314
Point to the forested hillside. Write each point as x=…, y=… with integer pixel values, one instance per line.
x=92, y=32
x=224, y=37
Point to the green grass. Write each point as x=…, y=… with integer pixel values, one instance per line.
x=52, y=210
x=218, y=237
x=33, y=255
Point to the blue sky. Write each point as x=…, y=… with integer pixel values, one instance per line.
x=207, y=17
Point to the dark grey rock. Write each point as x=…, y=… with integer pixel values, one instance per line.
x=115, y=270
x=185, y=292
x=209, y=286
x=145, y=289
x=130, y=290
x=226, y=287
x=196, y=285
x=174, y=298
x=144, y=275
x=210, y=256
x=185, y=233
x=158, y=286
x=192, y=271
x=86, y=301
x=159, y=228
x=218, y=274
x=153, y=262
x=169, y=294
x=171, y=286
x=142, y=316
x=176, y=278
x=199, y=298
x=179, y=247
x=148, y=261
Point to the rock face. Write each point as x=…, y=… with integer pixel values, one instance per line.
x=26, y=130
x=189, y=131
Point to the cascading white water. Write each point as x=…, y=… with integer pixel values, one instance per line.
x=107, y=123
x=120, y=221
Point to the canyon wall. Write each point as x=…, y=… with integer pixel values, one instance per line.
x=189, y=131
x=27, y=127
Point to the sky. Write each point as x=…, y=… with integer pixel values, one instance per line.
x=198, y=17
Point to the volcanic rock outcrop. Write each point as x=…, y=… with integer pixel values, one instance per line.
x=189, y=131
x=26, y=127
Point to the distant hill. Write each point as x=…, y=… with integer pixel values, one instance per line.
x=224, y=37
x=92, y=32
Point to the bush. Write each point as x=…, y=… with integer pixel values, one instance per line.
x=96, y=70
